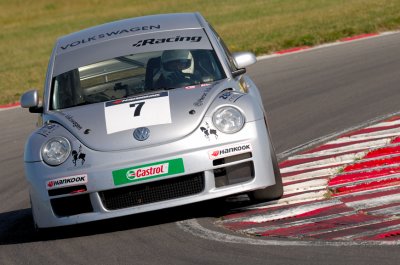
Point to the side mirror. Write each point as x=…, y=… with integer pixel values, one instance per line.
x=244, y=59
x=30, y=99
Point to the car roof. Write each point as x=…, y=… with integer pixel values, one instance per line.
x=129, y=27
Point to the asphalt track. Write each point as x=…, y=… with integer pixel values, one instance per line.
x=308, y=95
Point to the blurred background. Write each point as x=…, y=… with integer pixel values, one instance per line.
x=29, y=28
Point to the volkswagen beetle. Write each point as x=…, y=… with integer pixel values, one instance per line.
x=144, y=114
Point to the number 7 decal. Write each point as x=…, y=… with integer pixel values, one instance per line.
x=138, y=107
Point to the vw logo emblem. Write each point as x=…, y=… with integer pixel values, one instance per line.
x=141, y=133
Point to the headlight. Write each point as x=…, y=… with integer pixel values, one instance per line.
x=228, y=119
x=56, y=151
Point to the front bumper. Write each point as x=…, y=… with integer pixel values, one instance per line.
x=203, y=177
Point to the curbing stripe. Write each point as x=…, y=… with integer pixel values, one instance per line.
x=343, y=149
x=193, y=227
x=367, y=191
x=360, y=37
x=10, y=106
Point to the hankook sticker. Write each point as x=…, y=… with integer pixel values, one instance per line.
x=134, y=112
x=66, y=182
x=230, y=150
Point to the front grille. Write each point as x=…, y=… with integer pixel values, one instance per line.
x=152, y=192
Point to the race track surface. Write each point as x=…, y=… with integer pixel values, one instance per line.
x=307, y=95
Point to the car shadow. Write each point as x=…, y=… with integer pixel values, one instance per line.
x=16, y=227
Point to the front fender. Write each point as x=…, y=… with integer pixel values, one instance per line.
x=40, y=136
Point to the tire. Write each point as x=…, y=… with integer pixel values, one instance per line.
x=272, y=192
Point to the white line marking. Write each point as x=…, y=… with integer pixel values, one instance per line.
x=327, y=172
x=258, y=230
x=393, y=210
x=306, y=197
x=372, y=168
x=291, y=212
x=384, y=124
x=192, y=227
x=344, y=149
x=329, y=137
x=10, y=108
x=346, y=227
x=374, y=202
x=363, y=192
x=333, y=161
x=367, y=180
x=315, y=184
x=370, y=232
x=322, y=46
x=367, y=136
x=318, y=205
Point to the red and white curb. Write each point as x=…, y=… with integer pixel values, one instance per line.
x=10, y=106
x=347, y=189
x=341, y=41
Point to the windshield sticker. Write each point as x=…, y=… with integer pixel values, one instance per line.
x=148, y=171
x=135, y=112
x=109, y=34
x=166, y=40
x=90, y=49
x=195, y=86
x=230, y=96
x=70, y=118
x=47, y=129
x=200, y=101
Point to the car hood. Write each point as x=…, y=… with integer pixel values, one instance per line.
x=168, y=114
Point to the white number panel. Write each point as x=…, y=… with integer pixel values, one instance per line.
x=134, y=112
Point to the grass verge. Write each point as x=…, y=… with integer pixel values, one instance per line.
x=30, y=27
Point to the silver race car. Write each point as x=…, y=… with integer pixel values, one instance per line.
x=144, y=114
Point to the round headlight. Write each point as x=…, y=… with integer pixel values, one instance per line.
x=56, y=151
x=228, y=119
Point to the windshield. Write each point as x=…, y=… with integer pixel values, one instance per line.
x=130, y=75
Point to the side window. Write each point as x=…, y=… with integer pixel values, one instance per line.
x=228, y=54
x=66, y=90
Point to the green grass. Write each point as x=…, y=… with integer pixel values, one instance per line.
x=29, y=28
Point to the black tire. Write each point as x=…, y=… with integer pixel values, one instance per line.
x=272, y=192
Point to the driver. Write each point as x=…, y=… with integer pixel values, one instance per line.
x=177, y=68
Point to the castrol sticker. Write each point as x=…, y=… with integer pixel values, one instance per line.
x=148, y=171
